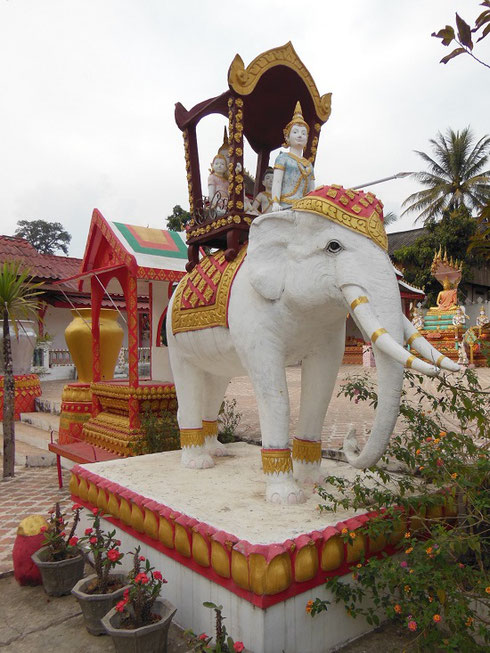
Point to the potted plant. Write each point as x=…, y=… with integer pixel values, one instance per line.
x=99, y=592
x=223, y=643
x=140, y=622
x=60, y=560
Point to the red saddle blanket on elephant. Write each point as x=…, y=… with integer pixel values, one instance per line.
x=201, y=298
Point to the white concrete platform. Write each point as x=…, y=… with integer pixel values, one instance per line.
x=223, y=510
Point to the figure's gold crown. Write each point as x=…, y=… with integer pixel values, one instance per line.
x=296, y=120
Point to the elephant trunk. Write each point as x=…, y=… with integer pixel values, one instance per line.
x=390, y=359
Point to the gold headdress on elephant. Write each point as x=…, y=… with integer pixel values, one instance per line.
x=354, y=209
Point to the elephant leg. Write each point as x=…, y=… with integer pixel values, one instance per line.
x=318, y=376
x=268, y=378
x=189, y=381
x=214, y=391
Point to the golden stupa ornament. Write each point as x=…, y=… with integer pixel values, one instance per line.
x=296, y=120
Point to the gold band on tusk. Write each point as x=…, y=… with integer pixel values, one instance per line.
x=413, y=337
x=359, y=300
x=191, y=438
x=308, y=451
x=409, y=362
x=276, y=460
x=439, y=360
x=376, y=334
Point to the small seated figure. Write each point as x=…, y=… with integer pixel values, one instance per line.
x=263, y=202
x=218, y=183
x=293, y=175
x=482, y=319
x=460, y=317
x=447, y=299
x=417, y=319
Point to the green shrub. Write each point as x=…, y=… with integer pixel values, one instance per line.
x=438, y=586
x=160, y=432
x=228, y=420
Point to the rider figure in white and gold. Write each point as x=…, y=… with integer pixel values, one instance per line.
x=293, y=175
x=263, y=201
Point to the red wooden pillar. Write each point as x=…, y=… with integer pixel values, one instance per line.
x=131, y=295
x=97, y=294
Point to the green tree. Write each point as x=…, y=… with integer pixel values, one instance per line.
x=18, y=300
x=178, y=219
x=453, y=233
x=455, y=176
x=46, y=237
x=462, y=35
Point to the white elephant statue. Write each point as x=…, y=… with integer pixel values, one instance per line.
x=304, y=271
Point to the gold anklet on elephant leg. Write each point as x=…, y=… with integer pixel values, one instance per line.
x=276, y=460
x=307, y=451
x=209, y=428
x=191, y=437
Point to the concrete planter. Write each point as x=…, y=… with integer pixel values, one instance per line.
x=147, y=639
x=58, y=577
x=95, y=606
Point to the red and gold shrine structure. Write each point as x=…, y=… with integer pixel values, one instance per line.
x=259, y=102
x=27, y=388
x=133, y=261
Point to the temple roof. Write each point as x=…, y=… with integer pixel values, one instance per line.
x=41, y=266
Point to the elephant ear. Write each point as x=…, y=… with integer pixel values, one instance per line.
x=269, y=238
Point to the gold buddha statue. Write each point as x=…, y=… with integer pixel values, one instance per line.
x=447, y=299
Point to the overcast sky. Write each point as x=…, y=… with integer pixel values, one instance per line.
x=88, y=89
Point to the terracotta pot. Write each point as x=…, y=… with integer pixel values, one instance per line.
x=78, y=336
x=96, y=606
x=58, y=577
x=22, y=347
x=147, y=639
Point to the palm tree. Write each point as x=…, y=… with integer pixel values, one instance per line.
x=17, y=301
x=455, y=175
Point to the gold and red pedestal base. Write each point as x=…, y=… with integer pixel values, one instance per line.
x=27, y=388
x=76, y=409
x=117, y=409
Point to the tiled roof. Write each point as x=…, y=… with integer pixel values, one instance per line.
x=41, y=266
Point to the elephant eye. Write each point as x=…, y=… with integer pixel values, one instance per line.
x=334, y=247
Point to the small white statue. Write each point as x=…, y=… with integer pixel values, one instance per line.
x=462, y=358
x=263, y=202
x=417, y=319
x=482, y=319
x=293, y=175
x=218, y=182
x=460, y=317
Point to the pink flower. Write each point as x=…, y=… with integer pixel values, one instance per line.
x=141, y=578
x=412, y=625
x=113, y=555
x=95, y=511
x=120, y=605
x=126, y=593
x=88, y=531
x=158, y=575
x=73, y=541
x=439, y=462
x=43, y=529
x=238, y=646
x=117, y=542
x=62, y=533
x=142, y=558
x=203, y=636
x=403, y=564
x=93, y=540
x=76, y=506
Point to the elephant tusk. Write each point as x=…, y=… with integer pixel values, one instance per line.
x=422, y=346
x=380, y=338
